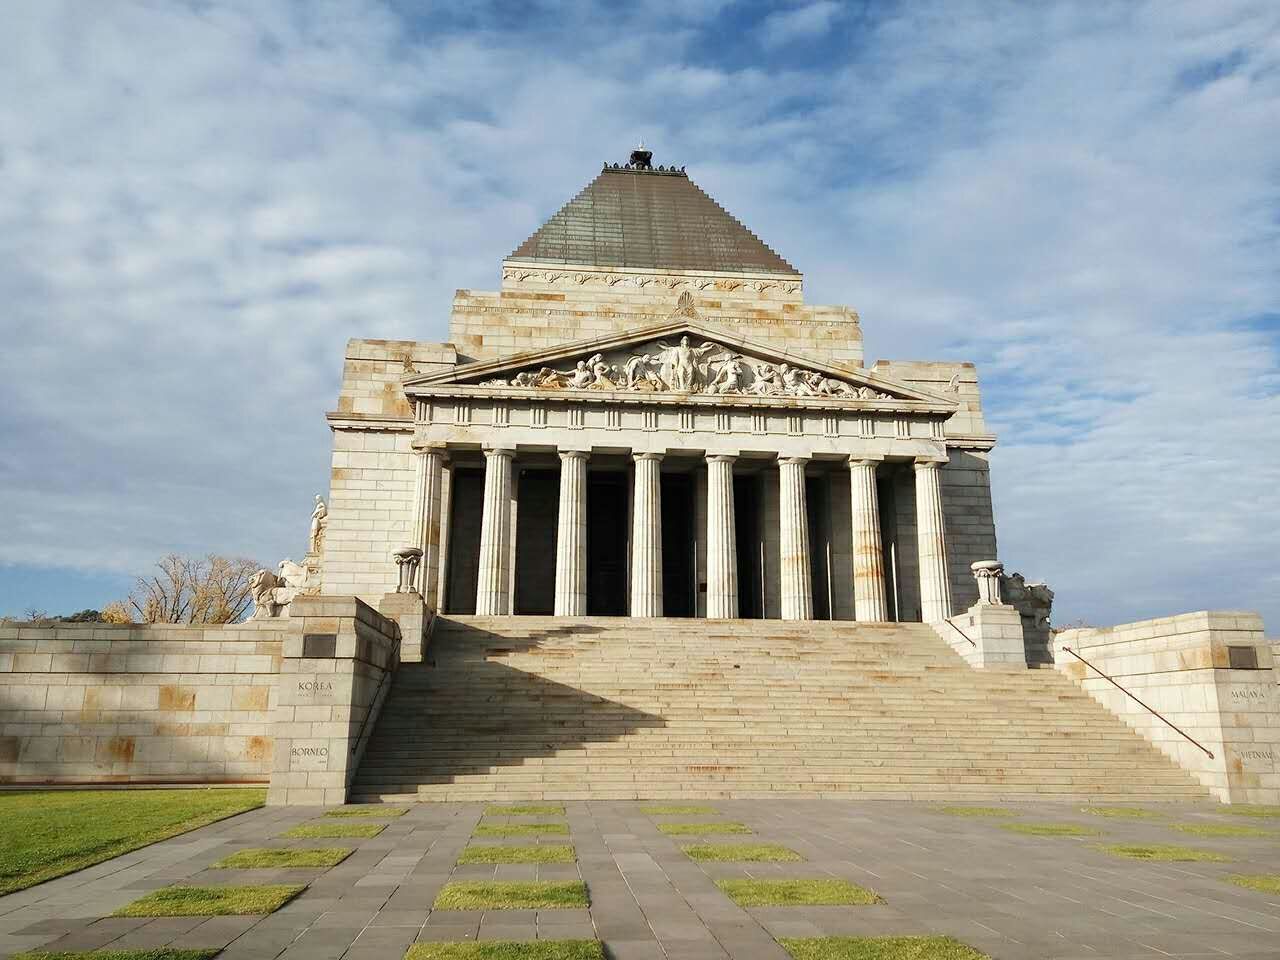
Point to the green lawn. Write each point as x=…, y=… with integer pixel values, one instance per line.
x=796, y=893
x=1162, y=852
x=48, y=833
x=690, y=810
x=512, y=895
x=507, y=950
x=522, y=853
x=741, y=852
x=372, y=810
x=519, y=829
x=1051, y=829
x=211, y=901
x=319, y=830
x=163, y=953
x=261, y=858
x=977, y=811
x=1121, y=813
x=1263, y=883
x=698, y=829
x=1222, y=830
x=879, y=948
x=527, y=810
x=1252, y=810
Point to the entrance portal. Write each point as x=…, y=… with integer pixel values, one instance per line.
x=746, y=514
x=537, y=510
x=677, y=545
x=466, y=498
x=606, y=544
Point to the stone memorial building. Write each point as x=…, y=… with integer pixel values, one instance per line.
x=647, y=419
x=648, y=525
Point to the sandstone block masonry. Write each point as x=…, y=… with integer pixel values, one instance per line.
x=97, y=703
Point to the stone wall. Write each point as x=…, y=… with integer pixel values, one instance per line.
x=1181, y=666
x=101, y=703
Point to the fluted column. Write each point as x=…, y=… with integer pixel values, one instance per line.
x=493, y=587
x=935, y=584
x=793, y=538
x=571, y=536
x=646, y=537
x=722, y=540
x=868, y=555
x=426, y=519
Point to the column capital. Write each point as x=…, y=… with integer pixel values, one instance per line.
x=721, y=457
x=499, y=452
x=574, y=454
x=424, y=447
x=801, y=461
x=648, y=456
x=925, y=463
x=865, y=460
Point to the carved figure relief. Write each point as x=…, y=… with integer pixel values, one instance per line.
x=682, y=367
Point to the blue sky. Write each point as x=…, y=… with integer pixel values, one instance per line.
x=200, y=202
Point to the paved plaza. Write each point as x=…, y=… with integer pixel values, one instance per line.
x=1014, y=896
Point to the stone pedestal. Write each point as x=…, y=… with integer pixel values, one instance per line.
x=335, y=671
x=996, y=629
x=722, y=542
x=415, y=619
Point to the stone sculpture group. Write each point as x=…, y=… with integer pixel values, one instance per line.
x=683, y=368
x=273, y=592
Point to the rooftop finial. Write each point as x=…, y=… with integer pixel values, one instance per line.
x=640, y=158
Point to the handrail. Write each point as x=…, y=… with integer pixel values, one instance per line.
x=370, y=712
x=956, y=628
x=1154, y=712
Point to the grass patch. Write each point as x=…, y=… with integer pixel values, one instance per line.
x=525, y=810
x=879, y=948
x=1121, y=813
x=212, y=901
x=372, y=810
x=161, y=953
x=525, y=853
x=1221, y=830
x=507, y=950
x=1051, y=829
x=698, y=829
x=1263, y=883
x=1163, y=852
x=520, y=829
x=49, y=833
x=528, y=895
x=263, y=858
x=796, y=893
x=689, y=810
x=1252, y=810
x=741, y=852
x=977, y=811
x=331, y=831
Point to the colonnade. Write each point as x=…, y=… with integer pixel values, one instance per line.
x=493, y=591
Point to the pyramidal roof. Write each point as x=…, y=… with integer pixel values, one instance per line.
x=635, y=215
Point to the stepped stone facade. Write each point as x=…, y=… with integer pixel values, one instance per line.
x=649, y=525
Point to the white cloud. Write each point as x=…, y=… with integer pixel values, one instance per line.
x=202, y=204
x=802, y=23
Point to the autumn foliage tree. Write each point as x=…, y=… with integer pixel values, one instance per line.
x=209, y=589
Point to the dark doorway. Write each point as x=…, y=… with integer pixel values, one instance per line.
x=746, y=518
x=677, y=545
x=466, y=505
x=817, y=504
x=606, y=544
x=537, y=513
x=889, y=545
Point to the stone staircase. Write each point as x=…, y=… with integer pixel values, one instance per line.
x=532, y=708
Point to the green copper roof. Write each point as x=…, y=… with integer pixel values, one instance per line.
x=649, y=219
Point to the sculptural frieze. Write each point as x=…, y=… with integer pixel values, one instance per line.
x=685, y=367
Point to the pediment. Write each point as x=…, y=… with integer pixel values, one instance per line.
x=682, y=357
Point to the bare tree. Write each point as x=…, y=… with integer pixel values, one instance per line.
x=210, y=589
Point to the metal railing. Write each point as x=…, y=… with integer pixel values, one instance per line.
x=1151, y=710
x=954, y=626
x=375, y=705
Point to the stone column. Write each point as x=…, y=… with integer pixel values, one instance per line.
x=426, y=519
x=935, y=583
x=646, y=537
x=571, y=536
x=493, y=583
x=868, y=555
x=722, y=540
x=793, y=524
